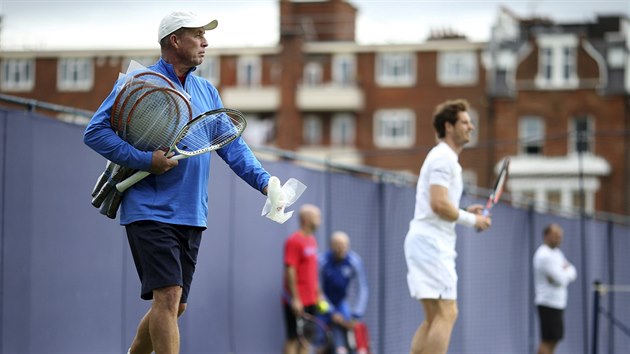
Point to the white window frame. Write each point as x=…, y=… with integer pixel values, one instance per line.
x=388, y=121
x=210, y=69
x=457, y=68
x=312, y=130
x=18, y=74
x=557, y=61
x=313, y=74
x=344, y=69
x=249, y=71
x=75, y=74
x=343, y=129
x=590, y=134
x=396, y=69
x=526, y=139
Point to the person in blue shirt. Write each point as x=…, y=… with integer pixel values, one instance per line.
x=164, y=214
x=339, y=268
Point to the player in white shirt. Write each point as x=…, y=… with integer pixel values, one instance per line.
x=552, y=275
x=430, y=242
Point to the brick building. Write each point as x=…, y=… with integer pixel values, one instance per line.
x=321, y=93
x=561, y=92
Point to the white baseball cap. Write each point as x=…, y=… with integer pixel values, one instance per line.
x=179, y=19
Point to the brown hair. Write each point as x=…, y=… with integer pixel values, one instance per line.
x=447, y=112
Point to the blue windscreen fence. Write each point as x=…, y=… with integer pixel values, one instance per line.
x=68, y=284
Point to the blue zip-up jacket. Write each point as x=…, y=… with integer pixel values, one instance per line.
x=336, y=277
x=179, y=196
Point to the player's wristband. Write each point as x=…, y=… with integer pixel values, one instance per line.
x=466, y=218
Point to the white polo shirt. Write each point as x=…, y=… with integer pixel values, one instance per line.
x=552, y=275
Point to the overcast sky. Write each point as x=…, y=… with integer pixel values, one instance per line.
x=112, y=24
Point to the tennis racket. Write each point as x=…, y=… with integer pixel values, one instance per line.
x=312, y=332
x=133, y=97
x=205, y=133
x=125, y=94
x=109, y=168
x=499, y=186
x=148, y=117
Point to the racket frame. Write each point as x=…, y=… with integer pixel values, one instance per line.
x=499, y=186
x=306, y=317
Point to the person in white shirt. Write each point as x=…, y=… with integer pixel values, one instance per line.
x=430, y=242
x=552, y=275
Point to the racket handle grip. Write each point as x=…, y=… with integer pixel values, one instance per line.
x=140, y=175
x=103, y=193
x=112, y=210
x=103, y=178
x=135, y=178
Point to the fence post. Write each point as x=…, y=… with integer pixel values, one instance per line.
x=595, y=315
x=381, y=265
x=611, y=280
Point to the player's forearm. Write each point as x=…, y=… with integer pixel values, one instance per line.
x=292, y=282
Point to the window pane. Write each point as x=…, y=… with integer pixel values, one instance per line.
x=531, y=135
x=312, y=130
x=395, y=69
x=343, y=130
x=394, y=128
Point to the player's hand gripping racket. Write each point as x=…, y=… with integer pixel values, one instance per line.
x=207, y=132
x=312, y=332
x=499, y=186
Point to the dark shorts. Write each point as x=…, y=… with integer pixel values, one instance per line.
x=551, y=324
x=164, y=255
x=291, y=320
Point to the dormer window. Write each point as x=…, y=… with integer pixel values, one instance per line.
x=557, y=61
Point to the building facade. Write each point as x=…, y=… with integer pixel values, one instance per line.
x=532, y=88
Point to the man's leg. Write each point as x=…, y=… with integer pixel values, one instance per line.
x=547, y=347
x=142, y=342
x=161, y=321
x=434, y=334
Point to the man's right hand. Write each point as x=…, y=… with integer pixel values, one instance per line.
x=297, y=307
x=483, y=222
x=161, y=163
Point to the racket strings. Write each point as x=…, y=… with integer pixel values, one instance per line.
x=210, y=133
x=130, y=91
x=156, y=118
x=314, y=333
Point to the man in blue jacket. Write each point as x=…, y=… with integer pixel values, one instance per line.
x=339, y=268
x=165, y=213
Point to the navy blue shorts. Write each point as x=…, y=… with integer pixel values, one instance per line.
x=551, y=323
x=164, y=255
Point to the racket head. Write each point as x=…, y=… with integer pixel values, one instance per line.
x=501, y=179
x=210, y=131
x=129, y=90
x=499, y=185
x=155, y=118
x=312, y=332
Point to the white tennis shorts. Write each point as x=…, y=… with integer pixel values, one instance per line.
x=430, y=268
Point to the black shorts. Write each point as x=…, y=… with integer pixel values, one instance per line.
x=164, y=255
x=291, y=320
x=551, y=324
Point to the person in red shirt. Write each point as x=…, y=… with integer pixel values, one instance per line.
x=301, y=284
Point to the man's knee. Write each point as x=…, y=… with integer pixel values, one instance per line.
x=168, y=298
x=182, y=308
x=449, y=310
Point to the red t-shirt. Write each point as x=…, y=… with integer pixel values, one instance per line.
x=300, y=252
